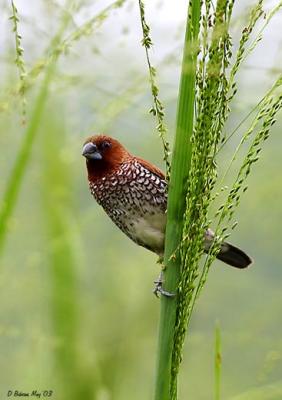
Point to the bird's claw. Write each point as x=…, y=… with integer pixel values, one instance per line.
x=158, y=289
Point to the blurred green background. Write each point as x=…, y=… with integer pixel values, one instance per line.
x=77, y=312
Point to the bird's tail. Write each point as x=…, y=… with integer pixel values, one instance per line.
x=233, y=256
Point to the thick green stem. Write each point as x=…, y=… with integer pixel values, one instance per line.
x=176, y=200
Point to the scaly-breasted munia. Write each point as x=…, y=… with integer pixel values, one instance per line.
x=133, y=192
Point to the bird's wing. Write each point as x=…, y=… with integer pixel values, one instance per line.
x=152, y=168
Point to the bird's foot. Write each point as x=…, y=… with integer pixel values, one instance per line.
x=158, y=289
x=161, y=262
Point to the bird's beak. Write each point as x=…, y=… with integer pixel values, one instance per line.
x=90, y=151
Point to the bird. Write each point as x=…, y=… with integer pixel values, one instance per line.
x=133, y=192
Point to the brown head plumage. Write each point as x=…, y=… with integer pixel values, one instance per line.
x=103, y=155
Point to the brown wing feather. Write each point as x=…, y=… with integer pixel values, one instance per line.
x=151, y=167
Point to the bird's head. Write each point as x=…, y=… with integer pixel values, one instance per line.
x=103, y=155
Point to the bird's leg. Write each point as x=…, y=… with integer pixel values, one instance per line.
x=158, y=289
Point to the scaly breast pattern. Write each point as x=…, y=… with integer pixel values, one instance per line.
x=135, y=199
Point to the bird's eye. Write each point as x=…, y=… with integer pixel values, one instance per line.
x=105, y=145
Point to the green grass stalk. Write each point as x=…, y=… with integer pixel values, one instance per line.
x=57, y=47
x=40, y=65
x=19, y=61
x=158, y=109
x=176, y=201
x=22, y=158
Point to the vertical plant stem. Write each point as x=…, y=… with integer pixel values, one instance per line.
x=176, y=200
x=158, y=108
x=19, y=61
x=13, y=186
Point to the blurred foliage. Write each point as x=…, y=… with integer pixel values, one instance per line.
x=77, y=313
